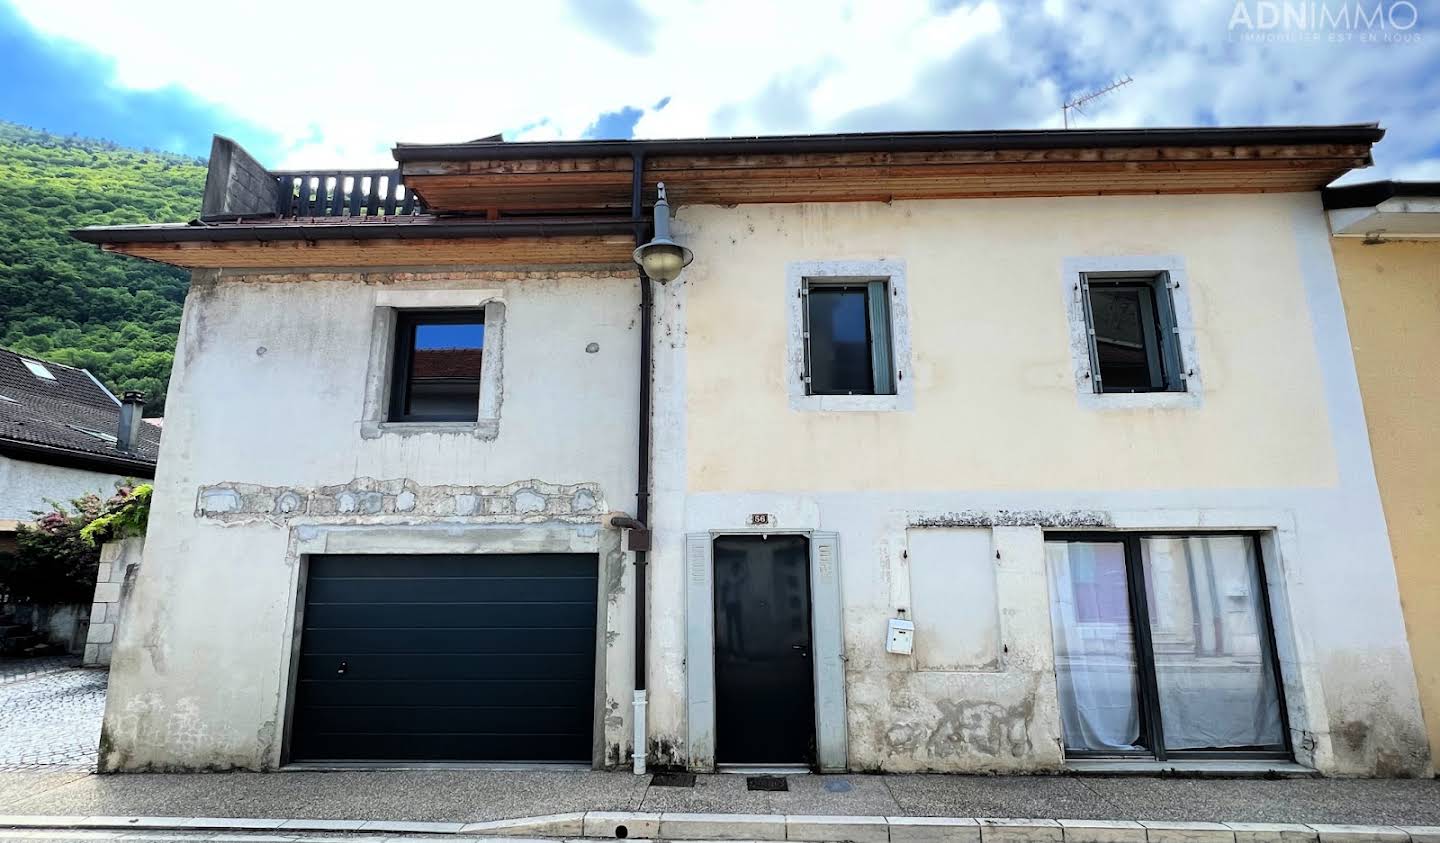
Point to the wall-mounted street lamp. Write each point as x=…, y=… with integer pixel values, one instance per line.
x=663, y=258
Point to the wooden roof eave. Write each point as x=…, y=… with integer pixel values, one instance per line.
x=605, y=251
x=594, y=242
x=538, y=184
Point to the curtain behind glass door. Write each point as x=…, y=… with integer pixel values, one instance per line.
x=1208, y=630
x=1094, y=646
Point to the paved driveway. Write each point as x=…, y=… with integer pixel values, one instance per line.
x=50, y=711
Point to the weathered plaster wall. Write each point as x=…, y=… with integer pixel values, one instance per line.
x=998, y=437
x=26, y=486
x=1392, y=302
x=264, y=461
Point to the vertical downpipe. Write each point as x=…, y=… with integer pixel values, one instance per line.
x=642, y=487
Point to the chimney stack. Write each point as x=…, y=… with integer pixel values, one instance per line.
x=132, y=407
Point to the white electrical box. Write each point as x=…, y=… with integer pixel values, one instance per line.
x=901, y=639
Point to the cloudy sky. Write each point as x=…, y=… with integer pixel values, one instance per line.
x=335, y=84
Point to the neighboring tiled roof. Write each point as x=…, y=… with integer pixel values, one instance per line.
x=447, y=363
x=55, y=414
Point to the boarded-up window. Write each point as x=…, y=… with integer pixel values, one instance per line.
x=953, y=599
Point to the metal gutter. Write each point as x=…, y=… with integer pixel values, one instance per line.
x=267, y=232
x=642, y=480
x=899, y=142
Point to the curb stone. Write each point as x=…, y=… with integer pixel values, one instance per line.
x=320, y=825
x=1273, y=833
x=933, y=830
x=640, y=827
x=837, y=829
x=402, y=827
x=1341, y=833
x=549, y=825
x=681, y=826
x=621, y=824
x=1187, y=832
x=1103, y=831
x=1000, y=830
x=238, y=825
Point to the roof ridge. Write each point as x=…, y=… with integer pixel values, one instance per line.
x=39, y=359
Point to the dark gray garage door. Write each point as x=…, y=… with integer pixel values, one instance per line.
x=447, y=658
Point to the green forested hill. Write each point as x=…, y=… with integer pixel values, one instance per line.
x=67, y=301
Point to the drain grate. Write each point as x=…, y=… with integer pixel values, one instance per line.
x=672, y=780
x=766, y=783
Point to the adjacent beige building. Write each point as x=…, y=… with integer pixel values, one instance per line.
x=1387, y=252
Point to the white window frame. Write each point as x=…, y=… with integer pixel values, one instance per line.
x=388, y=303
x=1173, y=267
x=798, y=275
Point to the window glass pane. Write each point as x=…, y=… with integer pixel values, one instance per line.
x=1094, y=645
x=444, y=376
x=37, y=369
x=839, y=341
x=1212, y=664
x=1126, y=343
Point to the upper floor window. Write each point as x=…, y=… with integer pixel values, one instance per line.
x=1133, y=337
x=435, y=375
x=847, y=347
x=847, y=332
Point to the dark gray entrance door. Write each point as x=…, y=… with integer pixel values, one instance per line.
x=764, y=674
x=447, y=658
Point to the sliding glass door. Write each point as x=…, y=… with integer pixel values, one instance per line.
x=1163, y=645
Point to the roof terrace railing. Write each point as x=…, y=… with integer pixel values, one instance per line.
x=343, y=193
x=239, y=187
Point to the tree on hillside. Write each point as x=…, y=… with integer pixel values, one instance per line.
x=67, y=301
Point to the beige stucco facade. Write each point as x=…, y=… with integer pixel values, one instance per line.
x=997, y=436
x=995, y=398
x=1392, y=302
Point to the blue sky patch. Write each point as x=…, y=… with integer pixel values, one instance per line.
x=67, y=90
x=615, y=125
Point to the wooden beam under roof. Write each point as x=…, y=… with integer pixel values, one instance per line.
x=525, y=185
x=599, y=251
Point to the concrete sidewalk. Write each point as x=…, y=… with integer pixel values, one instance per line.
x=466, y=796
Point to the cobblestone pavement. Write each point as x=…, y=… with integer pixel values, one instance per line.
x=18, y=670
x=50, y=718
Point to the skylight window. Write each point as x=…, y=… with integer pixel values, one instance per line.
x=37, y=369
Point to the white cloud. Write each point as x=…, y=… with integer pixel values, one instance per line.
x=340, y=83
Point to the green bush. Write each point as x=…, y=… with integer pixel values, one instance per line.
x=57, y=554
x=124, y=517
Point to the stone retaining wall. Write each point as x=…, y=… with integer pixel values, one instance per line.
x=118, y=562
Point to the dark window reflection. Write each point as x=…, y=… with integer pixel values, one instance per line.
x=439, y=363
x=1126, y=339
x=839, y=327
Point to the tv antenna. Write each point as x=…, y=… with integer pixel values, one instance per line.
x=1078, y=104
